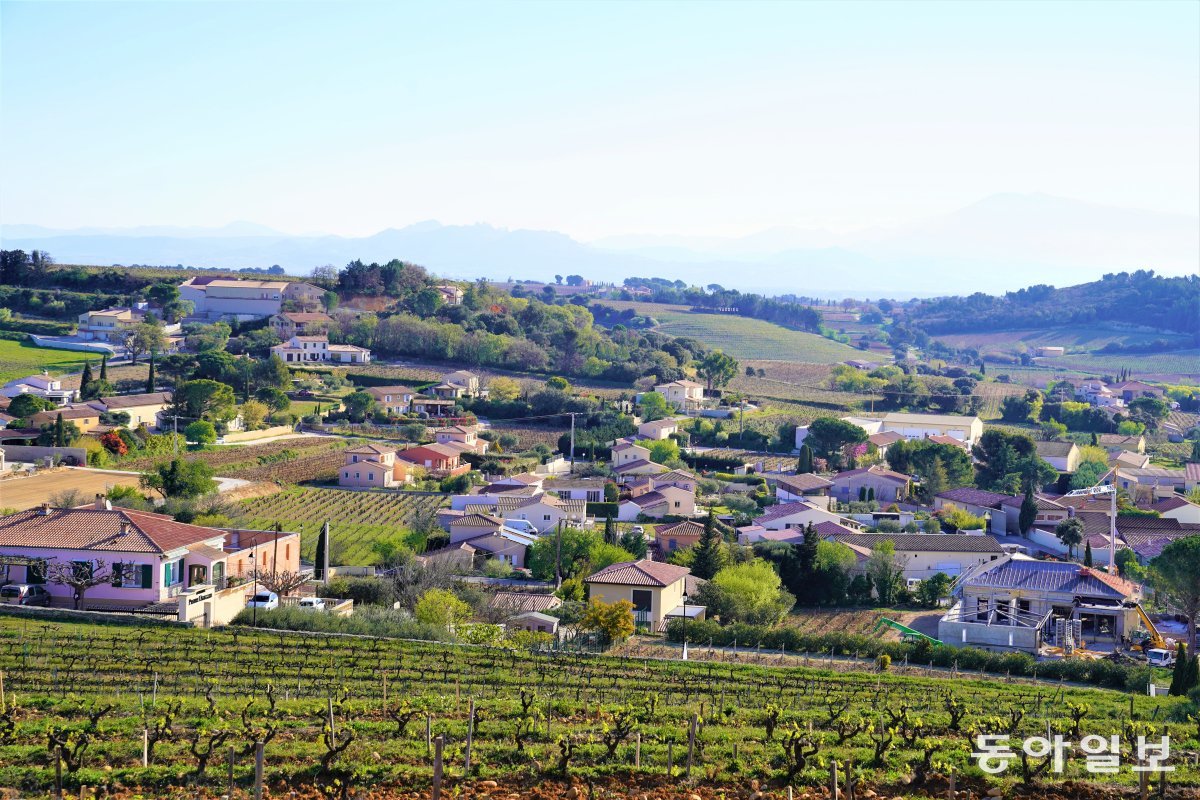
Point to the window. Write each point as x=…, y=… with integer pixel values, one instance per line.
x=546, y=517
x=36, y=573
x=643, y=600
x=118, y=570
x=82, y=569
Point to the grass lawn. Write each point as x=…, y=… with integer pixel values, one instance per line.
x=743, y=337
x=19, y=359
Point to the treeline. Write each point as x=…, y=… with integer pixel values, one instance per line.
x=717, y=298
x=1137, y=298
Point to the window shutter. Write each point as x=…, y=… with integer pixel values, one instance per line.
x=167, y=573
x=147, y=576
x=117, y=569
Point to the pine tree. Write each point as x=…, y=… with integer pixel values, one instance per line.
x=85, y=378
x=804, y=463
x=60, y=432
x=150, y=376
x=1028, y=513
x=1087, y=555
x=103, y=368
x=710, y=550
x=809, y=550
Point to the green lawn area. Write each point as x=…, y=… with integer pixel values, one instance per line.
x=19, y=359
x=743, y=337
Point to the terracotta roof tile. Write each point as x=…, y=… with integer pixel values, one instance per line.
x=639, y=573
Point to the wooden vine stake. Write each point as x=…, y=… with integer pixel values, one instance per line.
x=229, y=772
x=258, y=770
x=691, y=745
x=637, y=752
x=145, y=747
x=58, y=772
x=437, y=767
x=833, y=779
x=470, y=738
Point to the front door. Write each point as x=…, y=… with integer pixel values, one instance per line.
x=643, y=603
x=218, y=574
x=197, y=574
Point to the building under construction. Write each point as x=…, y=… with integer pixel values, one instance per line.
x=1017, y=603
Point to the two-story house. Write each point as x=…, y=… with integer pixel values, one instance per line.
x=658, y=429
x=216, y=298
x=458, y=384
x=316, y=349
x=464, y=437
x=684, y=395
x=374, y=466
x=438, y=460
x=287, y=324
x=656, y=590
x=394, y=400
x=42, y=385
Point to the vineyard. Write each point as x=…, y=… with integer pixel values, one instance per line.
x=337, y=714
x=743, y=337
x=290, y=460
x=305, y=510
x=1180, y=364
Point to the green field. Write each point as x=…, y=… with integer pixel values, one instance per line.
x=1075, y=338
x=355, y=710
x=305, y=510
x=19, y=359
x=742, y=337
x=1181, y=363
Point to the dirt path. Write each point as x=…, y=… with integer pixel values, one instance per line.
x=23, y=493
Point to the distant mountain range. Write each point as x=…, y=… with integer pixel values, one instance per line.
x=1001, y=243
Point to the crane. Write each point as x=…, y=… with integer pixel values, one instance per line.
x=1154, y=639
x=1110, y=490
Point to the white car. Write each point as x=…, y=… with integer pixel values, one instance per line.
x=521, y=526
x=314, y=603
x=263, y=600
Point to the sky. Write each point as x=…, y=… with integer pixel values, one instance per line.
x=594, y=119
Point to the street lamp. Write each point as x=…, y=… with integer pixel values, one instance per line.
x=685, y=622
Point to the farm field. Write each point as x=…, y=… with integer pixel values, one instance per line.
x=862, y=621
x=19, y=359
x=1077, y=338
x=23, y=493
x=291, y=460
x=118, y=373
x=798, y=383
x=743, y=337
x=1180, y=364
x=305, y=510
x=540, y=719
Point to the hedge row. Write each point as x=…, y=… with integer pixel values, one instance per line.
x=40, y=326
x=1100, y=673
x=361, y=379
x=700, y=461
x=602, y=510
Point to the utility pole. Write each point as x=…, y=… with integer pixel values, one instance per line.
x=572, y=442
x=558, y=555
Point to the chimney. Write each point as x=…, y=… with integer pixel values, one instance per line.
x=126, y=527
x=1070, y=511
x=44, y=510
x=102, y=503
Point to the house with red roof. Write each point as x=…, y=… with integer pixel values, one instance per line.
x=438, y=460
x=149, y=558
x=655, y=588
x=879, y=483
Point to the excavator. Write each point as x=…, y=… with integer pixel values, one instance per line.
x=1153, y=639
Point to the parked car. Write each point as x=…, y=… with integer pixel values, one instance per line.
x=637, y=529
x=263, y=600
x=314, y=603
x=23, y=594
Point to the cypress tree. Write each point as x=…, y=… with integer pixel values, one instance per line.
x=103, y=368
x=1087, y=555
x=804, y=463
x=1095, y=439
x=862, y=494
x=610, y=531
x=1179, y=675
x=1195, y=451
x=871, y=494
x=319, y=560
x=60, y=432
x=1028, y=513
x=85, y=378
x=1193, y=675
x=710, y=554
x=150, y=376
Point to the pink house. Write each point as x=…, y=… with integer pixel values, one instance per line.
x=150, y=558
x=438, y=459
x=373, y=466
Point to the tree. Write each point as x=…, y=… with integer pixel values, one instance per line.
x=663, y=451
x=1195, y=452
x=931, y=590
x=614, y=620
x=717, y=368
x=359, y=405
x=85, y=378
x=1087, y=555
x=575, y=546
x=828, y=436
x=1128, y=566
x=885, y=571
x=935, y=480
x=751, y=592
x=145, y=337
x=104, y=368
x=275, y=399
x=1026, y=408
x=1175, y=575
x=208, y=338
x=1028, y=513
x=180, y=479
x=83, y=575
x=503, y=390
x=60, y=432
x=709, y=553
x=322, y=550
x=1053, y=430
x=1070, y=533
x=1008, y=462
x=633, y=543
x=151, y=382
x=1181, y=674
x=273, y=372
x=201, y=431
x=804, y=461
x=653, y=406
x=26, y=405
x=254, y=413
x=441, y=608
x=205, y=399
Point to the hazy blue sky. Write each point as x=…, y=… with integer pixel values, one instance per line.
x=592, y=119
